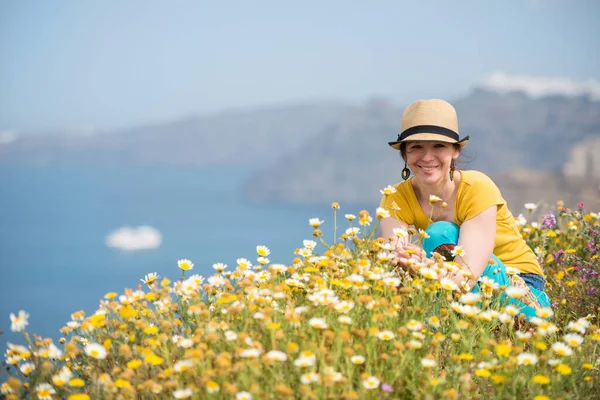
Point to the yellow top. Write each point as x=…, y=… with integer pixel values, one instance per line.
x=476, y=193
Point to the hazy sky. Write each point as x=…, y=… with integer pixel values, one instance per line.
x=105, y=64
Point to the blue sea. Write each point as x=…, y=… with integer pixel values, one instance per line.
x=54, y=220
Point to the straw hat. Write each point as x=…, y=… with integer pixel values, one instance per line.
x=429, y=120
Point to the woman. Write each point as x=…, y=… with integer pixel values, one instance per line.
x=456, y=207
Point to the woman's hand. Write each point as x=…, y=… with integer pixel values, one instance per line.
x=407, y=252
x=410, y=250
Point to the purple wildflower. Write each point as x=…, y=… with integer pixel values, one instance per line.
x=592, y=291
x=387, y=387
x=558, y=254
x=590, y=247
x=549, y=221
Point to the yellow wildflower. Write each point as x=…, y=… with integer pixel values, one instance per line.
x=151, y=330
x=541, y=379
x=484, y=373
x=498, y=379
x=76, y=382
x=122, y=383
x=503, y=350
x=79, y=396
x=133, y=364
x=563, y=369
x=153, y=359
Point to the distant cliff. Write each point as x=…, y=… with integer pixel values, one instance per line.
x=524, y=143
x=246, y=138
x=535, y=148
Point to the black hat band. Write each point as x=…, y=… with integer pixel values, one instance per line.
x=439, y=130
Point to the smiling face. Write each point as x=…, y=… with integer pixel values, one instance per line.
x=430, y=161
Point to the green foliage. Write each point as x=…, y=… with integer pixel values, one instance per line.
x=342, y=324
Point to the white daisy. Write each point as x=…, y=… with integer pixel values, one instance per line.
x=306, y=359
x=389, y=189
x=511, y=310
x=219, y=267
x=250, y=353
x=95, y=350
x=371, y=383
x=399, y=232
x=470, y=298
x=276, y=355
x=150, y=279
x=385, y=335
x=545, y=312
x=561, y=349
x=357, y=360
x=27, y=368
x=263, y=260
x=448, y=284
x=185, y=343
x=263, y=251
x=392, y=282
x=352, y=231
x=44, y=391
x=527, y=359
x=381, y=213
x=315, y=222
x=344, y=307
x=216, y=281
x=318, y=323
x=309, y=378
x=520, y=220
x=428, y=273
x=530, y=206
x=183, y=365
x=458, y=251
x=573, y=339
x=243, y=263
x=185, y=264
x=309, y=244
x=183, y=393
x=18, y=322
x=278, y=268
x=428, y=363
x=434, y=199
x=515, y=292
x=414, y=325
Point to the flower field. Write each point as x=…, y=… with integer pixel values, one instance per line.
x=338, y=321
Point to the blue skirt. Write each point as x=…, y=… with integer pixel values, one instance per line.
x=447, y=233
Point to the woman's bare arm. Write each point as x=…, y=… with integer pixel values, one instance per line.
x=477, y=237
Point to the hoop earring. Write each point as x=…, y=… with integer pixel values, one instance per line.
x=452, y=167
x=405, y=171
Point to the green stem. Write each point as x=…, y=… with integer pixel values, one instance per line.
x=334, y=226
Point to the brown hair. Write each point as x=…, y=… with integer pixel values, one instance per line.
x=403, y=149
